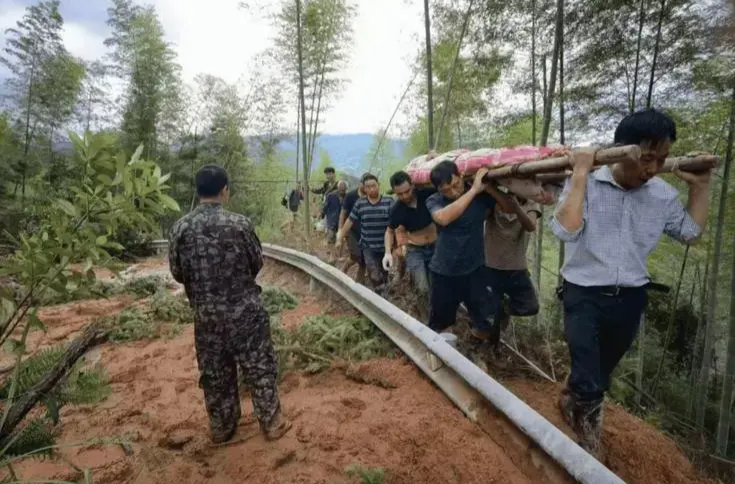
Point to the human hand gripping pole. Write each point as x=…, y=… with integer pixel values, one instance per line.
x=387, y=261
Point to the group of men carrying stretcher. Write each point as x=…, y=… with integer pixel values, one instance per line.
x=466, y=243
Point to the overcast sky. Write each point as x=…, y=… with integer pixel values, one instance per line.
x=217, y=37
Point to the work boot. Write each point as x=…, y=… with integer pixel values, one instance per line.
x=222, y=436
x=278, y=427
x=588, y=418
x=567, y=401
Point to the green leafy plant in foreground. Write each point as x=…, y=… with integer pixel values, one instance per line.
x=367, y=475
x=110, y=193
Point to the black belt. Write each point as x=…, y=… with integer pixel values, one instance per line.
x=613, y=291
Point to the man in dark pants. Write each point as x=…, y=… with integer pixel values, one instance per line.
x=353, y=235
x=610, y=220
x=506, y=240
x=330, y=212
x=216, y=255
x=409, y=212
x=458, y=265
x=371, y=212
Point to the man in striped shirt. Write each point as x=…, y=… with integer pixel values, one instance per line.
x=372, y=212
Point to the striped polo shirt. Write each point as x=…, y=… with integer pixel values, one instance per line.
x=373, y=219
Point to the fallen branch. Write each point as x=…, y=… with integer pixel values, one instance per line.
x=92, y=335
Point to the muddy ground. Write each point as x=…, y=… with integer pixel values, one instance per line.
x=410, y=429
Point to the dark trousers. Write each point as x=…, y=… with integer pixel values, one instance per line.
x=600, y=327
x=374, y=263
x=516, y=287
x=471, y=289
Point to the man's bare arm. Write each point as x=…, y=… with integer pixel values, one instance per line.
x=388, y=240
x=454, y=210
x=698, y=201
x=570, y=212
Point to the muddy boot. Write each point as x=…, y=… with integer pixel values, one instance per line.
x=278, y=427
x=567, y=402
x=588, y=421
x=222, y=436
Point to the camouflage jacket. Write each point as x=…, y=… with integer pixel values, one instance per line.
x=216, y=255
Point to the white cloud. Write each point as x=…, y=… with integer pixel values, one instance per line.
x=219, y=38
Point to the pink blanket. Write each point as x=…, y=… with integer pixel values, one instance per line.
x=469, y=162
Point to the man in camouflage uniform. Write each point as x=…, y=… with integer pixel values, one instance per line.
x=216, y=255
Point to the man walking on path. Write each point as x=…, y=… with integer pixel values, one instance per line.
x=293, y=202
x=329, y=186
x=371, y=212
x=458, y=265
x=506, y=241
x=330, y=212
x=353, y=235
x=216, y=255
x=409, y=213
x=610, y=220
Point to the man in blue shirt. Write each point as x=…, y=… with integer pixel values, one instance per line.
x=609, y=221
x=457, y=266
x=330, y=212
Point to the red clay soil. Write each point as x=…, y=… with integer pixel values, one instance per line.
x=636, y=451
x=408, y=428
x=400, y=422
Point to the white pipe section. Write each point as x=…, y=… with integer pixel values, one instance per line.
x=578, y=463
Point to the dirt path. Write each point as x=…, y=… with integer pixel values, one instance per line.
x=411, y=429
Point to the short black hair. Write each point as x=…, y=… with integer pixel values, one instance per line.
x=399, y=178
x=328, y=169
x=645, y=125
x=367, y=177
x=442, y=173
x=210, y=181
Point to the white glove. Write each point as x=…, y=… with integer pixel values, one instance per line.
x=387, y=261
x=338, y=242
x=339, y=234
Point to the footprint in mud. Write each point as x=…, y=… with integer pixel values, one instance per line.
x=129, y=375
x=151, y=393
x=351, y=409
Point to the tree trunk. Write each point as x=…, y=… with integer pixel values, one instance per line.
x=544, y=84
x=298, y=136
x=670, y=325
x=723, y=426
x=539, y=258
x=703, y=383
x=559, y=32
x=27, y=143
x=655, y=53
x=429, y=77
x=641, y=18
x=641, y=354
x=299, y=48
x=91, y=335
x=447, y=97
x=534, y=112
x=698, y=339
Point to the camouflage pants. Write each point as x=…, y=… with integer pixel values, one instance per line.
x=225, y=340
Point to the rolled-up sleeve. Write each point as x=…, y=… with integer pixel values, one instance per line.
x=557, y=228
x=679, y=224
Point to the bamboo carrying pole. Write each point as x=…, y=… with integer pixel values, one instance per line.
x=684, y=163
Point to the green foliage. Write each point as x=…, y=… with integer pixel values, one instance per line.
x=277, y=299
x=140, y=287
x=132, y=324
x=367, y=475
x=36, y=433
x=165, y=306
x=320, y=340
x=81, y=386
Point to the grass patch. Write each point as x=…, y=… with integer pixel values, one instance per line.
x=367, y=475
x=163, y=316
x=321, y=340
x=276, y=299
x=139, y=288
x=165, y=306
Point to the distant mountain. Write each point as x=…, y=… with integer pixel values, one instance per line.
x=347, y=151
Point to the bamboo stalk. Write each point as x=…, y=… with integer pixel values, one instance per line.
x=684, y=163
x=606, y=156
